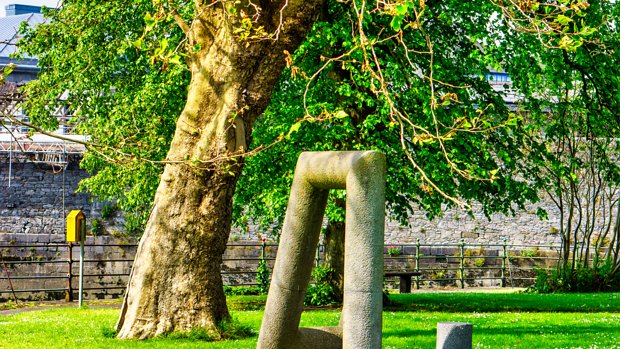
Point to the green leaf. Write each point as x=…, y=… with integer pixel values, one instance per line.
x=563, y=20
x=294, y=128
x=340, y=114
x=150, y=22
x=401, y=10
x=396, y=23
x=8, y=69
x=175, y=59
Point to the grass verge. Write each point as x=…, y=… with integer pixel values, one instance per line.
x=505, y=302
x=586, y=321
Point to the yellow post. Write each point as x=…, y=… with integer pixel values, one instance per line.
x=76, y=224
x=76, y=232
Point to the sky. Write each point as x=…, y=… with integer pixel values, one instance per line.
x=48, y=3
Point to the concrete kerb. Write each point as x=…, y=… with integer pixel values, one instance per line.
x=362, y=174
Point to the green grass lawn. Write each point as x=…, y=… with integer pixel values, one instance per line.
x=500, y=321
x=511, y=302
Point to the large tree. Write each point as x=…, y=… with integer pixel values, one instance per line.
x=234, y=52
x=175, y=282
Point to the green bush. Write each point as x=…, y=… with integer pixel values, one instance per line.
x=601, y=278
x=534, y=252
x=96, y=227
x=479, y=262
x=394, y=251
x=262, y=276
x=543, y=283
x=133, y=224
x=320, y=290
x=107, y=211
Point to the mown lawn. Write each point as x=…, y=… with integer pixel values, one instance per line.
x=510, y=302
x=500, y=321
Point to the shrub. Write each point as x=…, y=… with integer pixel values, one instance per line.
x=479, y=262
x=534, y=252
x=320, y=291
x=133, y=224
x=438, y=274
x=601, y=278
x=469, y=254
x=242, y=290
x=96, y=227
x=107, y=210
x=393, y=251
x=262, y=276
x=109, y=332
x=543, y=283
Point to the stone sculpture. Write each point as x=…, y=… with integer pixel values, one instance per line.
x=362, y=174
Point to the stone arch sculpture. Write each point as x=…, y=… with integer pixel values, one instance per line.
x=362, y=174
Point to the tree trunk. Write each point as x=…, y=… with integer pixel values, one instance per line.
x=334, y=256
x=334, y=252
x=175, y=284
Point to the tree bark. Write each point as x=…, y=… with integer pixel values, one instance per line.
x=175, y=284
x=334, y=256
x=334, y=252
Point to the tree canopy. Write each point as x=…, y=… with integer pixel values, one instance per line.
x=448, y=135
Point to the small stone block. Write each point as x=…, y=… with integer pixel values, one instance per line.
x=454, y=335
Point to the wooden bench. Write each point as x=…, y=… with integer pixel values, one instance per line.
x=405, y=278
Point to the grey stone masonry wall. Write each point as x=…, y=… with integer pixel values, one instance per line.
x=33, y=203
x=523, y=228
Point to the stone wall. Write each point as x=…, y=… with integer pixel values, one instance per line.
x=34, y=204
x=40, y=195
x=109, y=259
x=107, y=265
x=456, y=225
x=523, y=228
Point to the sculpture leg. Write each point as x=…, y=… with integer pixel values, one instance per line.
x=363, y=275
x=293, y=267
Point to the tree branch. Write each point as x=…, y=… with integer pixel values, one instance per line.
x=179, y=21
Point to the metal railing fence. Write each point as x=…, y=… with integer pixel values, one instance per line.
x=462, y=264
x=51, y=269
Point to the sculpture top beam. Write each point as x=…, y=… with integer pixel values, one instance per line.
x=329, y=169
